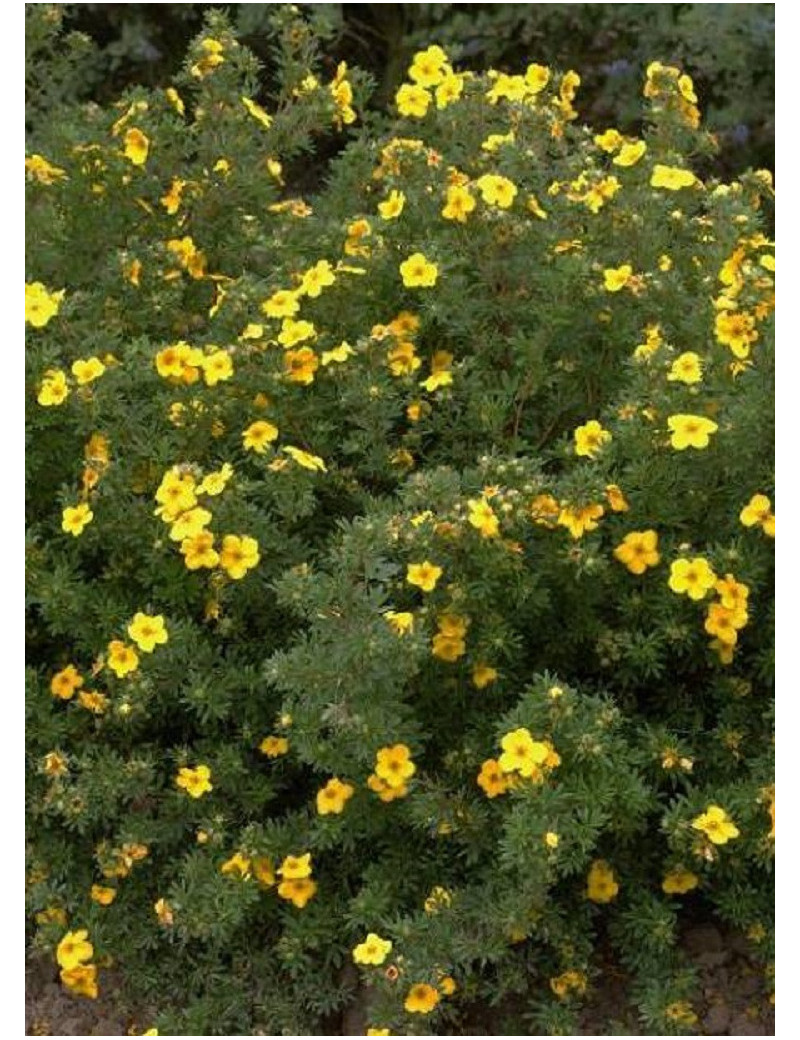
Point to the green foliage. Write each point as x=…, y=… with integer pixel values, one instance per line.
x=727, y=48
x=384, y=550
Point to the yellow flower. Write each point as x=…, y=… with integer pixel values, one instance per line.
x=171, y=200
x=717, y=826
x=179, y=362
x=53, y=389
x=217, y=367
x=616, y=499
x=296, y=867
x=175, y=495
x=196, y=782
x=392, y=207
x=483, y=517
x=75, y=518
x=122, y=658
x=393, y=765
x=55, y=764
x=424, y=575
x=671, y=177
x=82, y=980
x=40, y=304
x=688, y=368
x=590, y=438
x=568, y=981
x=401, y=621
x=453, y=625
x=239, y=555
x=616, y=278
x=447, y=986
x=377, y=1032
x=402, y=359
x=733, y=594
x=630, y=153
x=263, y=870
x=679, y=881
x=274, y=747
x=438, y=899
x=333, y=797
x=496, y=190
x=429, y=67
x=259, y=435
x=87, y=371
x=601, y=886
x=459, y=203
x=300, y=365
x=449, y=90
x=536, y=78
x=579, y=519
x=52, y=915
x=136, y=146
x=512, y=88
x=252, y=330
x=383, y=790
x=305, y=459
x=148, y=631
x=188, y=255
x=436, y=380
x=297, y=891
x=97, y=703
x=418, y=272
x=551, y=839
x=492, y=779
x=521, y=753
x=494, y=142
x=237, y=864
x=338, y=354
x=694, y=577
x=317, y=278
x=448, y=647
x=214, y=483
x=189, y=524
x=43, y=171
x=163, y=912
x=412, y=100
x=211, y=57
x=103, y=895
x=282, y=304
x=759, y=511
x=294, y=332
x=257, y=112
x=725, y=623
x=373, y=950
x=74, y=949
x=736, y=329
x=421, y=999
x=609, y=141
x=690, y=431
x=175, y=100
x=483, y=675
x=638, y=551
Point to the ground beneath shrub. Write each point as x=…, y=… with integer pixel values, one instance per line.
x=732, y=999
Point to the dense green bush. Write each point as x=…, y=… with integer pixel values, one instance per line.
x=400, y=599
x=727, y=48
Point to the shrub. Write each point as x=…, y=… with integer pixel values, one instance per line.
x=400, y=559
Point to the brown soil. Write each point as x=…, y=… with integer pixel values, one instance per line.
x=731, y=1001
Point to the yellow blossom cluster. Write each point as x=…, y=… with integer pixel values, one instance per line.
x=177, y=498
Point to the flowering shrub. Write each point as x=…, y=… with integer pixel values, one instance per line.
x=400, y=558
